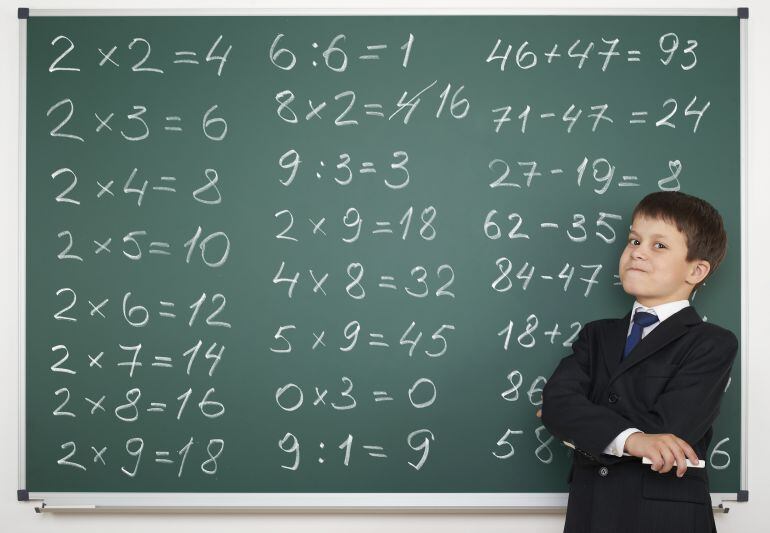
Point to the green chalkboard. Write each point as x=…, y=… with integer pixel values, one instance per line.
x=341, y=254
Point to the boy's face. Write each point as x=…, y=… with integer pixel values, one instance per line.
x=653, y=265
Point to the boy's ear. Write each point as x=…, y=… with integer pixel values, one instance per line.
x=699, y=270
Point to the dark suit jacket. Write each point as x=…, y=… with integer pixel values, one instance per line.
x=671, y=382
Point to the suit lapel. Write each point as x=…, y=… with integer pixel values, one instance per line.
x=613, y=343
x=669, y=330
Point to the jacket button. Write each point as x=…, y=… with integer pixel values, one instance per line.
x=613, y=397
x=603, y=471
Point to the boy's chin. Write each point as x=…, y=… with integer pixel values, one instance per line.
x=631, y=290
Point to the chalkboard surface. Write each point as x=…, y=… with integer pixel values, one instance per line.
x=311, y=254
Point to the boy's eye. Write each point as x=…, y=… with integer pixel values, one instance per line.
x=632, y=241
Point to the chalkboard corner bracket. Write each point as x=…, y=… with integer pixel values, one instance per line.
x=22, y=495
x=743, y=12
x=23, y=13
x=743, y=495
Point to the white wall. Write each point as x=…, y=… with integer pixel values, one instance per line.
x=20, y=517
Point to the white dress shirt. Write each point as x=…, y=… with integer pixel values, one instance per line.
x=663, y=311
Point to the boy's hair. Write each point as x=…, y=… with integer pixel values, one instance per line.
x=697, y=219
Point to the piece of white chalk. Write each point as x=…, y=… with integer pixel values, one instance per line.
x=701, y=463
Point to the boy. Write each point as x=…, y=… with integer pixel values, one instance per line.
x=648, y=384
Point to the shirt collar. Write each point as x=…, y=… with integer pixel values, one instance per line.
x=663, y=311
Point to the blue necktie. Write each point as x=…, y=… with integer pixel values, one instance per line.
x=641, y=321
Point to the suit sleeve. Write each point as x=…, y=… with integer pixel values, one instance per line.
x=690, y=402
x=567, y=411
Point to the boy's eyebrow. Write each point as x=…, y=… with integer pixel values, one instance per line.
x=654, y=236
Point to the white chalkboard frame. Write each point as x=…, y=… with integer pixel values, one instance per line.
x=350, y=502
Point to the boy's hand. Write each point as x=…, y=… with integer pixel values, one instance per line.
x=662, y=449
x=539, y=412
